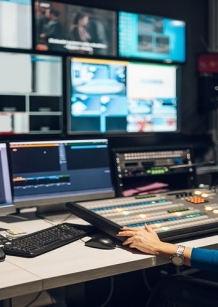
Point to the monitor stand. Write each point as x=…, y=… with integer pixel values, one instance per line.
x=57, y=213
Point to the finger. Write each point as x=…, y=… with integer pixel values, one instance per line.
x=128, y=241
x=125, y=233
x=149, y=229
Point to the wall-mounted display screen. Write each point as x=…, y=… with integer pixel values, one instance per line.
x=111, y=96
x=30, y=93
x=73, y=28
x=151, y=37
x=16, y=24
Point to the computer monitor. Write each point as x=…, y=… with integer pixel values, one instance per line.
x=6, y=202
x=16, y=24
x=122, y=97
x=47, y=174
x=151, y=37
x=30, y=94
x=75, y=29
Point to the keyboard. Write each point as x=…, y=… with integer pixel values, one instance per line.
x=45, y=240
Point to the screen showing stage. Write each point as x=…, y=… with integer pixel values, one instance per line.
x=73, y=28
x=56, y=171
x=6, y=204
x=151, y=37
x=30, y=93
x=16, y=24
x=111, y=96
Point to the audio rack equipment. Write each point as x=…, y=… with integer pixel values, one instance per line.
x=174, y=215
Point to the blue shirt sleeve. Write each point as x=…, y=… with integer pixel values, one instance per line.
x=204, y=259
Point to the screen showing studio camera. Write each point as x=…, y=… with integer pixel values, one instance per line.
x=112, y=96
x=75, y=29
x=151, y=37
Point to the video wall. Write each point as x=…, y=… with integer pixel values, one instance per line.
x=73, y=69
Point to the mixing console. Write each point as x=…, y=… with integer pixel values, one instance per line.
x=174, y=215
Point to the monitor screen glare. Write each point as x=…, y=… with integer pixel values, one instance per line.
x=109, y=96
x=75, y=29
x=151, y=37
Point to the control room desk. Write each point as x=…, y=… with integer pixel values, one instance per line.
x=73, y=263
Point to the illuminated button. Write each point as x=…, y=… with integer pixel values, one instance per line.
x=209, y=208
x=215, y=211
x=204, y=195
x=197, y=192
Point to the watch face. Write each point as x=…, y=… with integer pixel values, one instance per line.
x=178, y=260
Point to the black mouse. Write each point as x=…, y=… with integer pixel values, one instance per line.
x=101, y=242
x=2, y=255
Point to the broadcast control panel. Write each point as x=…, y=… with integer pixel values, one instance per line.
x=174, y=215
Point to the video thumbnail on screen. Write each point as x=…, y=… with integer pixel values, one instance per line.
x=76, y=29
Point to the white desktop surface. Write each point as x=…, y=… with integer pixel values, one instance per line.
x=15, y=281
x=73, y=263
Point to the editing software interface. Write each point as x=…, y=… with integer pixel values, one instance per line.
x=6, y=204
x=142, y=171
x=31, y=103
x=16, y=24
x=151, y=37
x=75, y=29
x=112, y=96
x=49, y=172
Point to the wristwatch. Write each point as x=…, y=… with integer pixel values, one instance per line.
x=178, y=258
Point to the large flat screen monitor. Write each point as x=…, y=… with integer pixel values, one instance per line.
x=75, y=29
x=47, y=173
x=112, y=96
x=151, y=37
x=30, y=93
x=6, y=203
x=16, y=24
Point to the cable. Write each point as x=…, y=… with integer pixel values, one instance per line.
x=33, y=301
x=110, y=293
x=147, y=285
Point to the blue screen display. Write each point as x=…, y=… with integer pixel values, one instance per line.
x=112, y=96
x=151, y=37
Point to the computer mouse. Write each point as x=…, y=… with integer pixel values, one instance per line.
x=101, y=242
x=2, y=255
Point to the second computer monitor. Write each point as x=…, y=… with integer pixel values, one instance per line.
x=52, y=172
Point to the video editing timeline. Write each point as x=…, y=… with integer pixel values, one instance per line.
x=77, y=29
x=60, y=171
x=6, y=202
x=33, y=103
x=153, y=171
x=110, y=96
x=187, y=213
x=151, y=37
x=16, y=24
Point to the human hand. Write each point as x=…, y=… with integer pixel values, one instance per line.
x=144, y=239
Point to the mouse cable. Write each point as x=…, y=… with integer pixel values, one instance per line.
x=33, y=300
x=110, y=293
